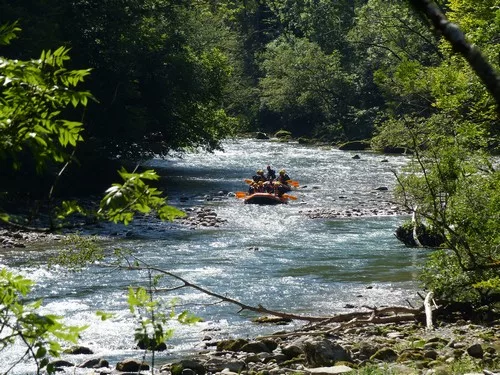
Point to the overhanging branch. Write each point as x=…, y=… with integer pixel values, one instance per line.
x=469, y=51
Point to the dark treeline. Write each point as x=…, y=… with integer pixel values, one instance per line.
x=170, y=75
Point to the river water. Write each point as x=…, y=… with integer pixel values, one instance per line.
x=276, y=256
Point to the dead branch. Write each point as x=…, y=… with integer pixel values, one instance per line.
x=355, y=322
x=428, y=311
x=259, y=309
x=414, y=221
x=374, y=315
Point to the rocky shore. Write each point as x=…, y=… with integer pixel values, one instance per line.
x=456, y=348
x=19, y=238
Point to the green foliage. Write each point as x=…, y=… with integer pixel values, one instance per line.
x=20, y=320
x=79, y=252
x=152, y=317
x=454, y=187
x=104, y=315
x=8, y=32
x=444, y=276
x=303, y=84
x=33, y=96
x=160, y=79
x=480, y=21
x=214, y=27
x=491, y=285
x=442, y=113
x=445, y=89
x=387, y=32
x=123, y=201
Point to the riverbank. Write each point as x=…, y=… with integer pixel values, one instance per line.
x=360, y=348
x=451, y=348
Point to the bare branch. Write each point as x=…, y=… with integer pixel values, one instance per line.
x=375, y=315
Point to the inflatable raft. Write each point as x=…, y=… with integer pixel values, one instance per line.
x=264, y=198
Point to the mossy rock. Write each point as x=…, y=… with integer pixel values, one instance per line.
x=411, y=355
x=427, y=236
x=78, y=350
x=301, y=359
x=141, y=344
x=196, y=366
x=231, y=345
x=385, y=354
x=305, y=141
x=283, y=134
x=354, y=146
x=261, y=135
x=395, y=150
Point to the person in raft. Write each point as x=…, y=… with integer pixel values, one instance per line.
x=259, y=176
x=284, y=177
x=271, y=174
x=282, y=182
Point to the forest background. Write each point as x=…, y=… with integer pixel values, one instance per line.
x=126, y=80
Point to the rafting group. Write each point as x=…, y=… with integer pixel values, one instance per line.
x=269, y=182
x=268, y=188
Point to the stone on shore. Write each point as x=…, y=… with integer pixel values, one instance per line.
x=332, y=370
x=325, y=352
x=131, y=365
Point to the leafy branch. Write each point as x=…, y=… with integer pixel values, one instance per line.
x=122, y=201
x=20, y=320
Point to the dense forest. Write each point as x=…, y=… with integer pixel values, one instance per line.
x=171, y=75
x=128, y=79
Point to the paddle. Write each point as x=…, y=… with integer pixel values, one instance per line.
x=292, y=197
x=290, y=182
x=240, y=194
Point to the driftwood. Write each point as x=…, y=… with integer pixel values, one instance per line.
x=317, y=324
x=428, y=311
x=414, y=221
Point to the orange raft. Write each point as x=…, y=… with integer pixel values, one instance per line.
x=264, y=198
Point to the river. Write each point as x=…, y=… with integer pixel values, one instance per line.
x=276, y=256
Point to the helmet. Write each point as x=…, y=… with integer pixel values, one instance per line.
x=260, y=171
x=268, y=167
x=282, y=171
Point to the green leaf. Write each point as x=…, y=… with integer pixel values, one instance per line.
x=188, y=318
x=8, y=32
x=41, y=352
x=104, y=315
